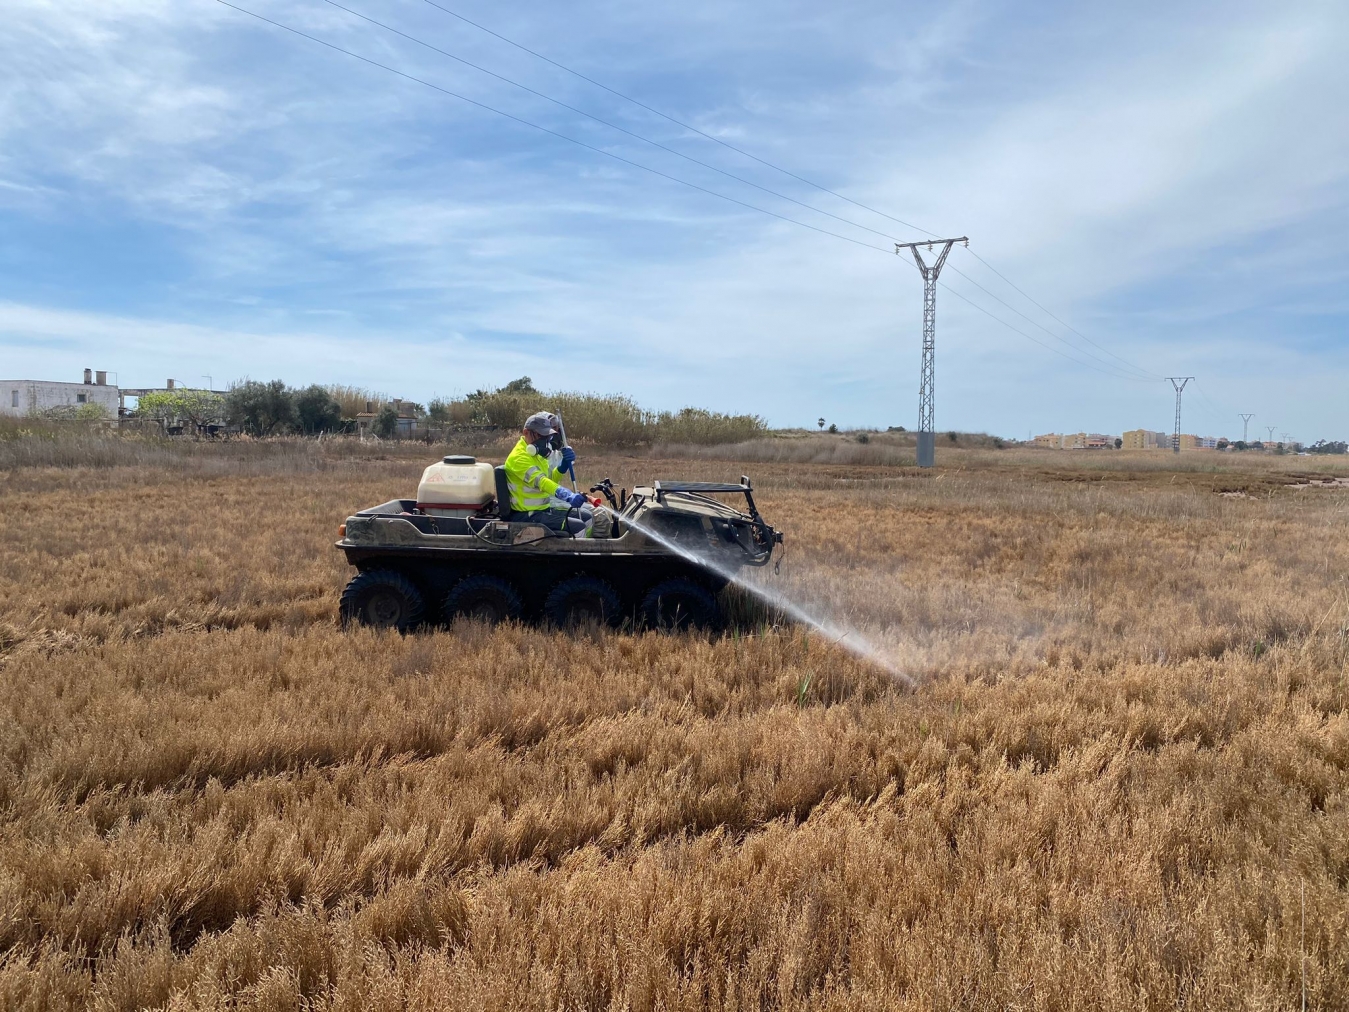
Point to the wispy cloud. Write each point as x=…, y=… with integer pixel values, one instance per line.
x=185, y=188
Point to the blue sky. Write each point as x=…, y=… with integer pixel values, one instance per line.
x=187, y=191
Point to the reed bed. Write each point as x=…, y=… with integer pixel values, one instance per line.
x=1117, y=780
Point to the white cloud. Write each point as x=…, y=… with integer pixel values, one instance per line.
x=1141, y=184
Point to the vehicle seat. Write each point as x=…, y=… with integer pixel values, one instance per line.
x=503, y=492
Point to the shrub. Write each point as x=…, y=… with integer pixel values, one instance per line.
x=171, y=407
x=607, y=420
x=316, y=410
x=260, y=409
x=386, y=423
x=74, y=413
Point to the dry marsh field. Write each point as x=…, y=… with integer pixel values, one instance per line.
x=1116, y=777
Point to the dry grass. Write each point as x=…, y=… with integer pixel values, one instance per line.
x=1126, y=756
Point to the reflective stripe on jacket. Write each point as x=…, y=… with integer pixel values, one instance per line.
x=531, y=481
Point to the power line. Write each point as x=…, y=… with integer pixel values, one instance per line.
x=772, y=165
x=603, y=122
x=1051, y=315
x=657, y=172
x=537, y=126
x=1032, y=340
x=678, y=122
x=1142, y=377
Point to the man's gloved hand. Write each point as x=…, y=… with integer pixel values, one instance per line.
x=568, y=458
x=576, y=499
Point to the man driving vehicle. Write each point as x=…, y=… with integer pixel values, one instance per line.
x=534, y=472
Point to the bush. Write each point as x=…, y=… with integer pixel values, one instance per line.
x=386, y=423
x=176, y=407
x=261, y=409
x=438, y=410
x=610, y=421
x=75, y=413
x=1321, y=446
x=316, y=410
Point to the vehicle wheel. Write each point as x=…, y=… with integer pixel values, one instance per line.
x=485, y=598
x=680, y=604
x=582, y=600
x=383, y=599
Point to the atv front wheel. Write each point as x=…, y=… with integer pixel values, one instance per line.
x=382, y=599
x=488, y=599
x=680, y=604
x=582, y=600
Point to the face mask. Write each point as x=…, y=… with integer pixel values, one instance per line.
x=532, y=449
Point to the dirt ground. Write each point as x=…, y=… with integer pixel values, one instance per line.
x=1111, y=772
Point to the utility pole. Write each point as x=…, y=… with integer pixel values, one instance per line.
x=1245, y=421
x=927, y=435
x=1179, y=383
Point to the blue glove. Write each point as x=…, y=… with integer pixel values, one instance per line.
x=576, y=499
x=568, y=460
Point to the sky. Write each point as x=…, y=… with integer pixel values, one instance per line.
x=187, y=191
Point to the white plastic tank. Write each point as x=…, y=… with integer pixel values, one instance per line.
x=456, y=487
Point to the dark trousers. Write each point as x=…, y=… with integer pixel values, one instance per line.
x=555, y=520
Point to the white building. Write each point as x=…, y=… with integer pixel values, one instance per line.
x=34, y=397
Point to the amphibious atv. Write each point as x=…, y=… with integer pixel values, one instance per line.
x=656, y=558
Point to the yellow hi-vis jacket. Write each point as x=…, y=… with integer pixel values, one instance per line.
x=531, y=481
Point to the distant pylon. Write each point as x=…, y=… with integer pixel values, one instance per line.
x=1245, y=421
x=1179, y=383
x=1271, y=432
x=927, y=436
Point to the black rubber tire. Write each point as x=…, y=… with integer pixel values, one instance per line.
x=383, y=599
x=486, y=598
x=679, y=604
x=581, y=600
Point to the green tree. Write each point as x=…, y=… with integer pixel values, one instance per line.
x=260, y=409
x=195, y=407
x=386, y=423
x=316, y=410
x=438, y=410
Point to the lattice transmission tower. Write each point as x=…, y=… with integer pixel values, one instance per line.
x=1179, y=383
x=927, y=434
x=1245, y=423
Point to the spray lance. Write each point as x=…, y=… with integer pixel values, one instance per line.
x=562, y=432
x=571, y=468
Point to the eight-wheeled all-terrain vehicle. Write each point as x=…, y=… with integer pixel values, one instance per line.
x=657, y=557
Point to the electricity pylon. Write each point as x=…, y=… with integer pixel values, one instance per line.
x=927, y=435
x=1271, y=432
x=1179, y=383
x=1245, y=421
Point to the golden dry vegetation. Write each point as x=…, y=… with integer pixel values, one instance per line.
x=1121, y=765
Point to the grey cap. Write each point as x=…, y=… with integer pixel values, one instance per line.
x=541, y=422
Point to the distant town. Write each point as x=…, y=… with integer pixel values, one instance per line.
x=1148, y=439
